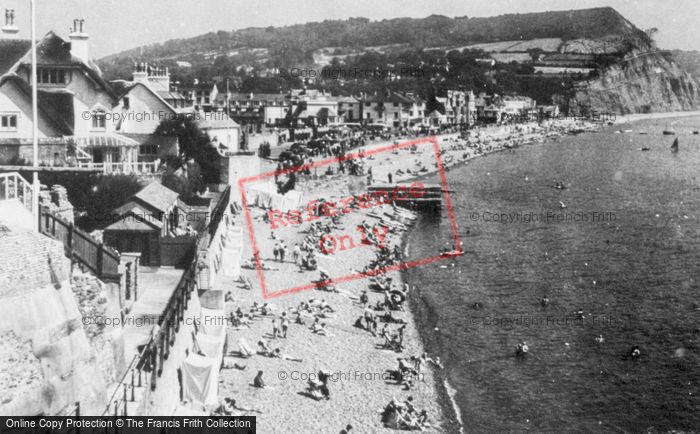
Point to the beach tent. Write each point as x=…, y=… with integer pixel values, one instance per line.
x=266, y=196
x=211, y=346
x=213, y=322
x=200, y=380
x=260, y=195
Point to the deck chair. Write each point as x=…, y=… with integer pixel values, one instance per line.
x=244, y=349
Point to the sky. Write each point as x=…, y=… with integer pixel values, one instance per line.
x=117, y=25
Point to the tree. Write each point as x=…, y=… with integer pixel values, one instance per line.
x=195, y=144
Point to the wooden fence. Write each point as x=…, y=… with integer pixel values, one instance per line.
x=80, y=246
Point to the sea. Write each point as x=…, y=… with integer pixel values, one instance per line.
x=616, y=252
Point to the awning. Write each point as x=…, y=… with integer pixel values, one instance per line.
x=105, y=140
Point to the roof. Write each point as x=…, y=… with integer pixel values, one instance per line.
x=392, y=97
x=258, y=96
x=135, y=219
x=105, y=140
x=54, y=51
x=57, y=107
x=158, y=196
x=170, y=95
x=11, y=51
x=152, y=139
x=200, y=86
x=214, y=121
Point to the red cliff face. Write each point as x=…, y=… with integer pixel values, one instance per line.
x=642, y=83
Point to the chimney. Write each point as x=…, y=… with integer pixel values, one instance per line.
x=79, y=41
x=140, y=75
x=158, y=78
x=9, y=29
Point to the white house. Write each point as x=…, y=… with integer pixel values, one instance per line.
x=74, y=101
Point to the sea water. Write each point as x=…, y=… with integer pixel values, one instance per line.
x=620, y=243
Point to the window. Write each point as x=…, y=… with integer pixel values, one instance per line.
x=396, y=115
x=148, y=149
x=8, y=122
x=126, y=103
x=396, y=104
x=51, y=76
x=367, y=104
x=99, y=120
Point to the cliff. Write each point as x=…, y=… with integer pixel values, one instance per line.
x=641, y=83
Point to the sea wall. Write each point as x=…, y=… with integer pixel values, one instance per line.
x=49, y=362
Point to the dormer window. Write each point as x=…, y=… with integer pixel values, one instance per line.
x=51, y=76
x=99, y=120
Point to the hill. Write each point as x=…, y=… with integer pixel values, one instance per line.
x=589, y=59
x=299, y=45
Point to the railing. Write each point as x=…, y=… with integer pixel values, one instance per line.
x=123, y=167
x=117, y=403
x=13, y=186
x=157, y=350
x=218, y=212
x=98, y=258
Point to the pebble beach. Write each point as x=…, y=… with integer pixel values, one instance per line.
x=360, y=387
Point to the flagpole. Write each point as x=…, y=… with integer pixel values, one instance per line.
x=228, y=118
x=35, y=120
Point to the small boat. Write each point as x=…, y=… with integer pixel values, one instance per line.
x=674, y=146
x=562, y=205
x=668, y=133
x=696, y=132
x=452, y=253
x=646, y=148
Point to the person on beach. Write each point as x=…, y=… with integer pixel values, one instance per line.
x=277, y=353
x=276, y=251
x=275, y=329
x=347, y=430
x=264, y=349
x=285, y=324
x=364, y=298
x=296, y=253
x=258, y=380
x=319, y=328
x=282, y=251
x=228, y=406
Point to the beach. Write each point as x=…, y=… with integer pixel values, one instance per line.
x=359, y=388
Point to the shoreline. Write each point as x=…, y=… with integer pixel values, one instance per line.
x=424, y=310
x=623, y=119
